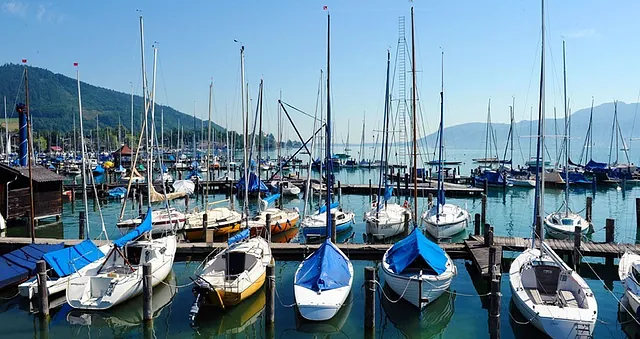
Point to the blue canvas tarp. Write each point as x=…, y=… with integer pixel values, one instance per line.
x=593, y=165
x=238, y=237
x=323, y=208
x=118, y=192
x=255, y=184
x=268, y=200
x=69, y=260
x=416, y=246
x=145, y=226
x=325, y=269
x=20, y=264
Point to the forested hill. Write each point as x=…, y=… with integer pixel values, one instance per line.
x=53, y=99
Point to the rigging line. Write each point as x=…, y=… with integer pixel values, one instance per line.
x=301, y=111
x=606, y=289
x=635, y=113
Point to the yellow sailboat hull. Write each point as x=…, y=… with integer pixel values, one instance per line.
x=227, y=297
x=197, y=234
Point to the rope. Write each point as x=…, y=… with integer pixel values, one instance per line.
x=9, y=298
x=178, y=286
x=605, y=287
x=520, y=322
x=280, y=300
x=387, y=297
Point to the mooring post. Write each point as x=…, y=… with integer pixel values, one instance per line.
x=398, y=181
x=483, y=209
x=73, y=200
x=205, y=225
x=609, y=230
x=637, y=217
x=43, y=292
x=333, y=227
x=429, y=200
x=577, y=237
x=486, y=186
x=406, y=182
x=267, y=225
x=494, y=309
x=589, y=208
x=476, y=224
x=140, y=202
x=593, y=184
x=81, y=221
x=147, y=287
x=133, y=198
x=270, y=299
x=406, y=223
x=488, y=235
x=186, y=203
x=370, y=301
x=370, y=189
x=492, y=263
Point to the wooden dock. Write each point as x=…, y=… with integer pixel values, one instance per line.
x=480, y=256
x=564, y=247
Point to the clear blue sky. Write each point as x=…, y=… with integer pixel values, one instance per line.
x=491, y=51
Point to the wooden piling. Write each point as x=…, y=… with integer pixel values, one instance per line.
x=140, y=202
x=270, y=307
x=609, y=230
x=205, y=225
x=589, y=208
x=486, y=186
x=43, y=292
x=134, y=194
x=488, y=235
x=406, y=223
x=81, y=220
x=333, y=227
x=494, y=309
x=637, y=217
x=476, y=224
x=483, y=209
x=370, y=188
x=398, y=182
x=430, y=200
x=370, y=301
x=147, y=288
x=267, y=225
x=186, y=203
x=406, y=182
x=73, y=200
x=577, y=238
x=492, y=262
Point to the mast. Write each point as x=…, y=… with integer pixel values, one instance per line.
x=566, y=131
x=328, y=131
x=441, y=132
x=195, y=129
x=97, y=137
x=32, y=215
x=260, y=129
x=530, y=130
x=414, y=122
x=513, y=107
x=161, y=129
x=245, y=122
x=153, y=128
x=208, y=142
x=6, y=130
x=385, y=143
x=280, y=135
x=539, y=194
x=133, y=134
x=144, y=96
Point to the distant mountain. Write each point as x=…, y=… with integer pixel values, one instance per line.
x=54, y=101
x=472, y=135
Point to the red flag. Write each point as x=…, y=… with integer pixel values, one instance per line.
x=324, y=8
x=24, y=61
x=75, y=64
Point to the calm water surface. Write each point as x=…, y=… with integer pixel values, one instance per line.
x=460, y=313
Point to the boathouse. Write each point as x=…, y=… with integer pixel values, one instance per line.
x=123, y=156
x=14, y=192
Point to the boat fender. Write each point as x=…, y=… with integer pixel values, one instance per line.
x=162, y=250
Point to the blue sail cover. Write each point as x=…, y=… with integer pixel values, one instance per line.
x=268, y=200
x=388, y=192
x=145, y=226
x=238, y=237
x=69, y=260
x=415, y=246
x=255, y=184
x=118, y=192
x=18, y=265
x=492, y=177
x=323, y=208
x=326, y=269
x=593, y=165
x=98, y=170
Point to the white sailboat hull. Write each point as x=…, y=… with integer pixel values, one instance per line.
x=554, y=225
x=321, y=306
x=450, y=221
x=408, y=286
x=557, y=321
x=632, y=289
x=386, y=222
x=108, y=288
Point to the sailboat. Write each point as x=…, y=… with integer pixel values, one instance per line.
x=238, y=271
x=67, y=263
x=629, y=273
x=323, y=280
x=281, y=220
x=416, y=268
x=562, y=223
x=545, y=290
x=119, y=277
x=385, y=219
x=444, y=220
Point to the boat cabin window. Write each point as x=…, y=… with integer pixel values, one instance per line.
x=238, y=262
x=133, y=254
x=567, y=221
x=419, y=265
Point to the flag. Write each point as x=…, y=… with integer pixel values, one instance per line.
x=324, y=8
x=24, y=61
x=75, y=64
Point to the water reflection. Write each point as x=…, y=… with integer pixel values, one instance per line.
x=428, y=323
x=235, y=320
x=331, y=326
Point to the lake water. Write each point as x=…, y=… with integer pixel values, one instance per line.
x=460, y=313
